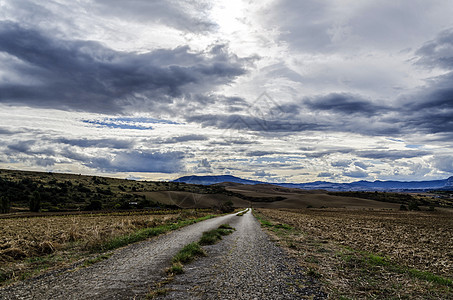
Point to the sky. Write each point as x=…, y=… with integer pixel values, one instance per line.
x=272, y=90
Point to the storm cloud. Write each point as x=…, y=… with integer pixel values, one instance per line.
x=87, y=76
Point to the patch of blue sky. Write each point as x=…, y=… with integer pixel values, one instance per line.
x=395, y=140
x=139, y=123
x=117, y=125
x=142, y=120
x=414, y=146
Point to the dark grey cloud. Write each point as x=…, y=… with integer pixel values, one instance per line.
x=185, y=138
x=98, y=143
x=131, y=161
x=41, y=161
x=444, y=163
x=230, y=142
x=262, y=173
x=259, y=153
x=362, y=165
x=248, y=122
x=341, y=163
x=357, y=173
x=7, y=131
x=345, y=104
x=204, y=163
x=438, y=52
x=21, y=146
x=319, y=154
x=430, y=110
x=391, y=154
x=134, y=161
x=325, y=174
x=87, y=76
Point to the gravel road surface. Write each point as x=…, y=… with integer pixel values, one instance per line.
x=128, y=274
x=245, y=265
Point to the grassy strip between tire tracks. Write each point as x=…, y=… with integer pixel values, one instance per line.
x=189, y=253
x=366, y=267
x=242, y=213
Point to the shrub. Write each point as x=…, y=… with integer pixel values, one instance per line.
x=4, y=205
x=226, y=207
x=403, y=207
x=413, y=206
x=35, y=201
x=94, y=205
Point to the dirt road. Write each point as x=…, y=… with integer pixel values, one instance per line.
x=245, y=265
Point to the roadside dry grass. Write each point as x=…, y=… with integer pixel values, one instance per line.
x=29, y=246
x=370, y=254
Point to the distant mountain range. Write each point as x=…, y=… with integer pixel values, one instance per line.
x=445, y=184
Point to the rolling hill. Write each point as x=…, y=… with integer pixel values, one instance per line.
x=362, y=185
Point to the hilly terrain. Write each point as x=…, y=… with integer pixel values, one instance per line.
x=363, y=185
x=33, y=192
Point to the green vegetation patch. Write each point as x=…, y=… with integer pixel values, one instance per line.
x=96, y=259
x=188, y=253
x=145, y=233
x=365, y=260
x=194, y=250
x=213, y=236
x=377, y=260
x=242, y=213
x=274, y=227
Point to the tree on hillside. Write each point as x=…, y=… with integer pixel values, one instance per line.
x=4, y=205
x=35, y=201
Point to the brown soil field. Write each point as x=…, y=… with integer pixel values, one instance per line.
x=296, y=198
x=372, y=254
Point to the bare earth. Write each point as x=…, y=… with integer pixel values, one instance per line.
x=246, y=265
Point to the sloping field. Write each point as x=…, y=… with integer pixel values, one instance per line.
x=192, y=200
x=296, y=198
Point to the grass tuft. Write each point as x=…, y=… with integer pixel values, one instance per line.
x=193, y=250
x=242, y=213
x=225, y=226
x=430, y=277
x=213, y=236
x=99, y=258
x=188, y=253
x=176, y=268
x=156, y=293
